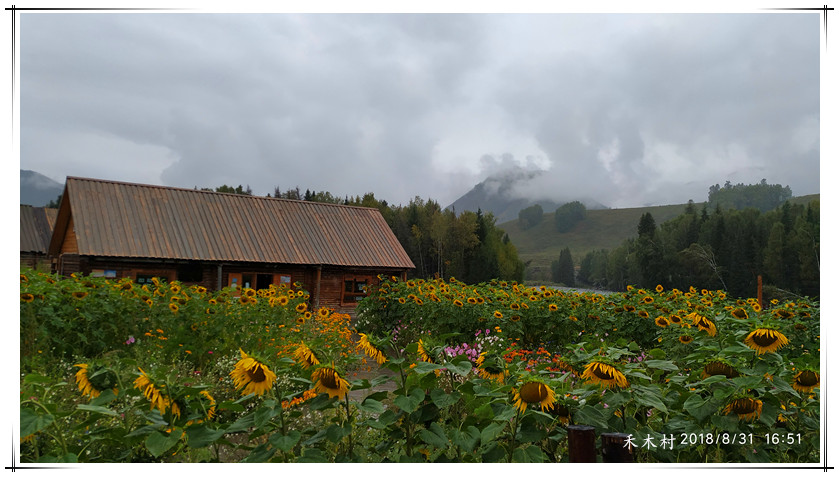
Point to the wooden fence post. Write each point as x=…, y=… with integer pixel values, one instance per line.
x=581, y=444
x=615, y=448
x=760, y=291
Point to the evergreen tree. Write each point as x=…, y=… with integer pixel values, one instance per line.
x=562, y=270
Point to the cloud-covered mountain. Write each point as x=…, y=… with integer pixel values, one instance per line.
x=504, y=194
x=37, y=189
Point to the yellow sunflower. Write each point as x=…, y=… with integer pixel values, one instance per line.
x=151, y=391
x=370, y=349
x=740, y=313
x=252, y=376
x=79, y=295
x=805, y=381
x=323, y=312
x=498, y=314
x=604, y=374
x=423, y=353
x=685, y=339
x=704, y=324
x=561, y=412
x=676, y=319
x=305, y=356
x=27, y=297
x=719, y=367
x=765, y=340
x=553, y=307
x=745, y=407
x=328, y=380
x=92, y=380
x=662, y=322
x=300, y=308
x=534, y=392
x=491, y=368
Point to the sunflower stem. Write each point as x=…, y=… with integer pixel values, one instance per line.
x=512, y=446
x=349, y=421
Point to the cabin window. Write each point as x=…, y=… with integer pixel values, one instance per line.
x=144, y=279
x=190, y=273
x=355, y=288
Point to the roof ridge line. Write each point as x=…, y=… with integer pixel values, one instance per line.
x=186, y=189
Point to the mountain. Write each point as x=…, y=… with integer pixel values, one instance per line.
x=496, y=194
x=37, y=189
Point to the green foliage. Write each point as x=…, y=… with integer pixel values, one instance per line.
x=531, y=216
x=568, y=215
x=726, y=249
x=441, y=406
x=562, y=270
x=763, y=196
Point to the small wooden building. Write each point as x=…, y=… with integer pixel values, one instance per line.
x=118, y=229
x=36, y=225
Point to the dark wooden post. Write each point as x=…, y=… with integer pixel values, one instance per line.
x=581, y=444
x=760, y=291
x=615, y=448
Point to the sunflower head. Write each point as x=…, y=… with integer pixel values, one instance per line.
x=806, y=380
x=704, y=324
x=606, y=374
x=152, y=391
x=534, y=392
x=491, y=366
x=740, y=313
x=305, y=356
x=252, y=375
x=719, y=367
x=328, y=380
x=765, y=340
x=662, y=321
x=95, y=378
x=371, y=348
x=746, y=407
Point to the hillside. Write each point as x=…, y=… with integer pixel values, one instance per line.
x=497, y=194
x=602, y=229
x=37, y=189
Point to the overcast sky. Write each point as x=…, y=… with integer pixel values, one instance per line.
x=626, y=109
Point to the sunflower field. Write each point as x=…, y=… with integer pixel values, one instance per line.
x=428, y=371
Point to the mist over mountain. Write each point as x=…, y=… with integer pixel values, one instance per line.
x=37, y=189
x=502, y=194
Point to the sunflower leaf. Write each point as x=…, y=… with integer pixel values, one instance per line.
x=32, y=422
x=434, y=436
x=460, y=365
x=491, y=431
x=285, y=442
x=97, y=409
x=442, y=399
x=661, y=364
x=201, y=435
x=699, y=408
x=591, y=416
x=423, y=367
x=468, y=439
x=371, y=405
x=157, y=442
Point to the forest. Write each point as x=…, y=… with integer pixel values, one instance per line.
x=720, y=248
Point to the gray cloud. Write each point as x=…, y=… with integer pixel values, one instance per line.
x=624, y=109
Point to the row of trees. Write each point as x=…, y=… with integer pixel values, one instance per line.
x=726, y=249
x=439, y=241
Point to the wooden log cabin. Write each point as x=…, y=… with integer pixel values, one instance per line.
x=216, y=240
x=36, y=225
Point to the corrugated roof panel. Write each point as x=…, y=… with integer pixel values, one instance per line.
x=135, y=220
x=36, y=225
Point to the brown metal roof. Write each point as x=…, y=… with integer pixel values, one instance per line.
x=36, y=224
x=134, y=220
